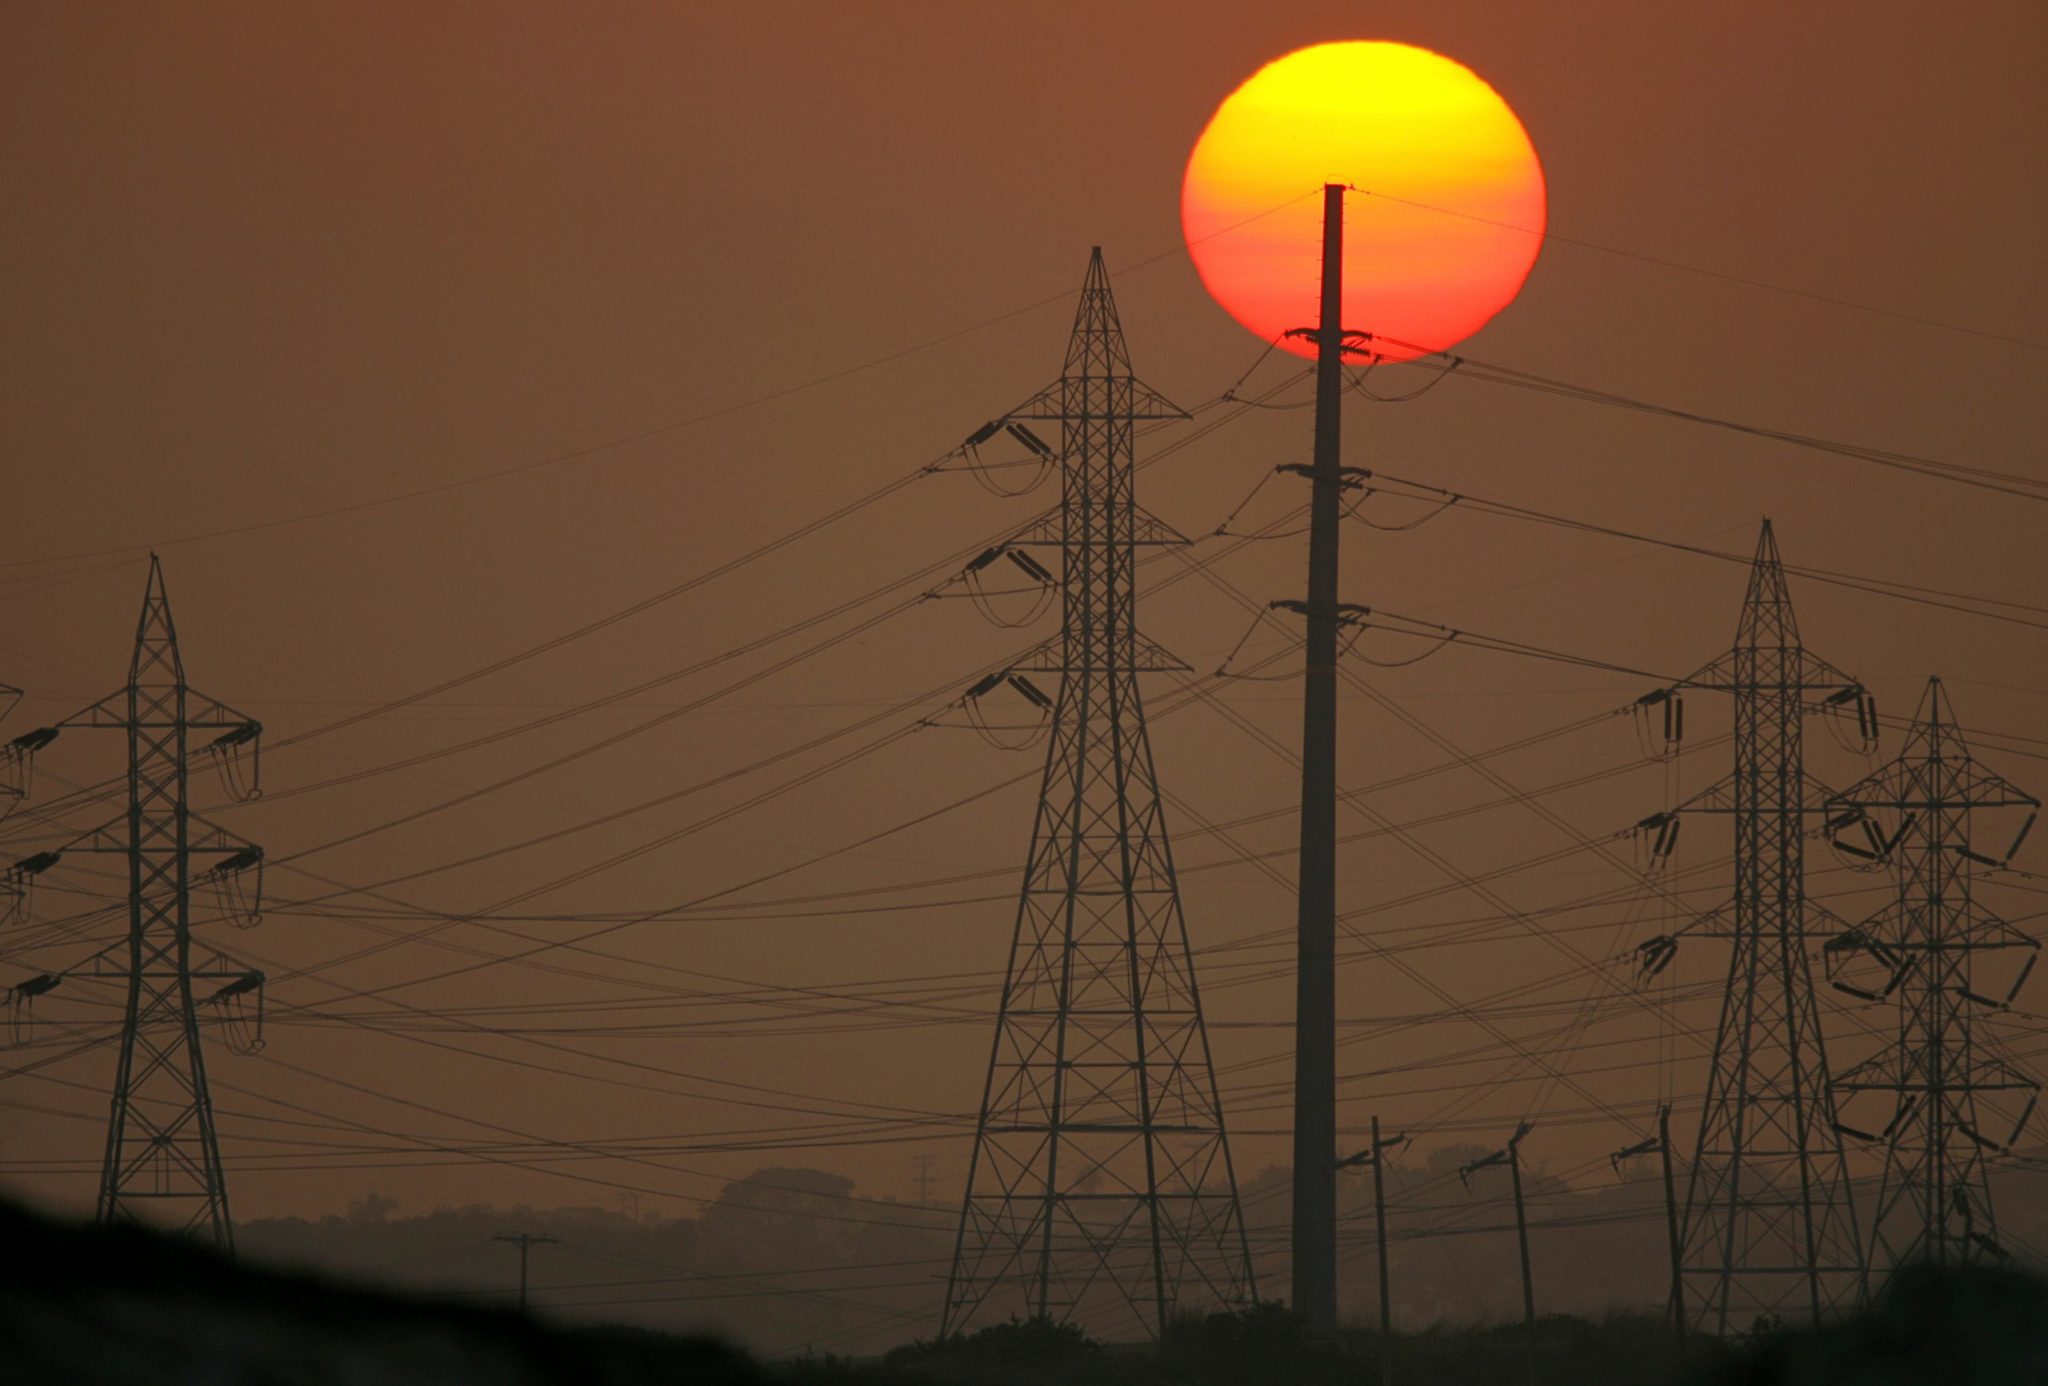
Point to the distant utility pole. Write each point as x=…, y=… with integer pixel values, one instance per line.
x=923, y=1164
x=526, y=1242
x=162, y=1152
x=1511, y=1156
x=1933, y=816
x=1660, y=1146
x=1315, y=982
x=1376, y=1156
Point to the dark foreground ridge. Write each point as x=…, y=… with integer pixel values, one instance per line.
x=92, y=1306
x=122, y=1306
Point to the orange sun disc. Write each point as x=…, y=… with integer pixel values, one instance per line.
x=1443, y=227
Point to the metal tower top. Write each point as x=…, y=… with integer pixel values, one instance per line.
x=156, y=660
x=1097, y=346
x=1096, y=382
x=1767, y=617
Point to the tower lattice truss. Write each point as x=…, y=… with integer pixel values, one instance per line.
x=1770, y=1230
x=162, y=1160
x=1940, y=1096
x=1101, y=1190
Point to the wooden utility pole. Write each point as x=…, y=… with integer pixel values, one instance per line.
x=1660, y=1144
x=1376, y=1156
x=1511, y=1156
x=526, y=1242
x=1671, y=1223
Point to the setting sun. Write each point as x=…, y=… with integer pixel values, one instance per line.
x=1444, y=226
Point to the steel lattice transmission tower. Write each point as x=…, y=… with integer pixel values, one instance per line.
x=1101, y=1185
x=1770, y=1229
x=1930, y=815
x=162, y=1152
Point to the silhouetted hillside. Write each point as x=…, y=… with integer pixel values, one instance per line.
x=88, y=1306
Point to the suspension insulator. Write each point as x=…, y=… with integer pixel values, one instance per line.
x=1667, y=837
x=2025, y=1112
x=2021, y=835
x=1654, y=955
x=36, y=986
x=1031, y=567
x=1030, y=440
x=241, y=861
x=241, y=986
x=1031, y=691
x=36, y=865
x=2021, y=980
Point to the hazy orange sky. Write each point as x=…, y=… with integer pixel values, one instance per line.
x=1442, y=223
x=675, y=279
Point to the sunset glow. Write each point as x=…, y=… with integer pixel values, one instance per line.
x=1403, y=126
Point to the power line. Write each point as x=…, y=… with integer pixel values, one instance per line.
x=1721, y=275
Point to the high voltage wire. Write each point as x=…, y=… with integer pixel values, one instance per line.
x=716, y=895
x=1943, y=469
x=1663, y=262
x=1983, y=478
x=644, y=435
x=650, y=1190
x=1939, y=598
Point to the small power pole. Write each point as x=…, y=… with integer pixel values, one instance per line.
x=1377, y=1158
x=923, y=1165
x=1511, y=1156
x=1671, y=1222
x=1660, y=1145
x=526, y=1242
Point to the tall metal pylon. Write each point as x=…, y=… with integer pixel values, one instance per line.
x=1770, y=1230
x=1101, y=1189
x=1932, y=816
x=162, y=1153
x=14, y=765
